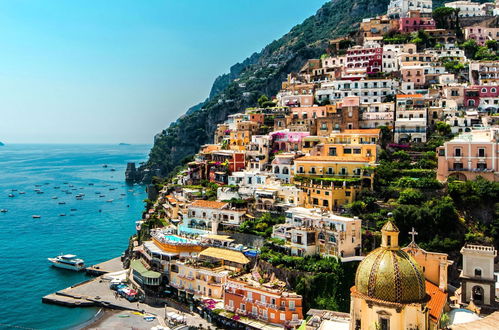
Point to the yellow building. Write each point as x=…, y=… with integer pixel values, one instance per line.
x=241, y=136
x=390, y=289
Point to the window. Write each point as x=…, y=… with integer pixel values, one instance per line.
x=276, y=170
x=481, y=152
x=291, y=305
x=457, y=152
x=282, y=317
x=347, y=150
x=384, y=323
x=478, y=272
x=332, y=151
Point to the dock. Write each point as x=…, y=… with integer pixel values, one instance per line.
x=110, y=266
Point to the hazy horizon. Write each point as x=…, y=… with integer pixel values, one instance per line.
x=105, y=72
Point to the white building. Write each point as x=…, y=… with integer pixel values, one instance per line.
x=377, y=114
x=368, y=90
x=401, y=8
x=467, y=8
x=311, y=231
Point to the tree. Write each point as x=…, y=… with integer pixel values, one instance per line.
x=262, y=99
x=470, y=48
x=492, y=45
x=484, y=53
x=443, y=128
x=446, y=18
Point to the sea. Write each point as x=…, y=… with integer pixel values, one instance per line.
x=96, y=228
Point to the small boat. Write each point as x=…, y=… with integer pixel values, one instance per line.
x=68, y=261
x=62, y=203
x=109, y=201
x=97, y=192
x=90, y=184
x=112, y=188
x=11, y=195
x=37, y=216
x=55, y=197
x=123, y=194
x=39, y=192
x=102, y=196
x=4, y=210
x=62, y=215
x=113, y=170
x=22, y=193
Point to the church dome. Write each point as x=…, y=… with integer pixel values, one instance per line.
x=390, y=274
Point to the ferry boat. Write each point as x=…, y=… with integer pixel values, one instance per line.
x=68, y=261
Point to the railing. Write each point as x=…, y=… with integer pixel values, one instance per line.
x=408, y=130
x=482, y=170
x=229, y=308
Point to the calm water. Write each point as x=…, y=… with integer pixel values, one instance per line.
x=96, y=236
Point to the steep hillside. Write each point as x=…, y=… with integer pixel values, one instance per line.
x=262, y=73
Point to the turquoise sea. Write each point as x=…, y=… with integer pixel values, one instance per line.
x=96, y=230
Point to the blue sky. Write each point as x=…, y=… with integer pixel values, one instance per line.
x=108, y=71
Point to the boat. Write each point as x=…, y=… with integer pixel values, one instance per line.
x=22, y=193
x=11, y=195
x=55, y=197
x=39, y=192
x=90, y=184
x=62, y=203
x=109, y=201
x=62, y=215
x=113, y=170
x=68, y=261
x=104, y=166
x=102, y=196
x=4, y=210
x=37, y=216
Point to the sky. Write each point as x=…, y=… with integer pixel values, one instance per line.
x=110, y=71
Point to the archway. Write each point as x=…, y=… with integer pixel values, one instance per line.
x=458, y=176
x=477, y=294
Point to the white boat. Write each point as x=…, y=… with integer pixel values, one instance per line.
x=37, y=216
x=68, y=261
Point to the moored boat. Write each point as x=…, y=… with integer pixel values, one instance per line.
x=68, y=261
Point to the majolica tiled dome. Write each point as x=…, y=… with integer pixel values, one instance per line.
x=390, y=274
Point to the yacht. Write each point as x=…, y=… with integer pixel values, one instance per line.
x=68, y=261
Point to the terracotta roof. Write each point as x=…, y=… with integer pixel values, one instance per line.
x=209, y=204
x=406, y=96
x=437, y=302
x=224, y=254
x=360, y=131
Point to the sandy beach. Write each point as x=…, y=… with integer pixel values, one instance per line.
x=121, y=320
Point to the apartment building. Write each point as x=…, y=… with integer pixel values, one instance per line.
x=411, y=118
x=309, y=231
x=401, y=8
x=470, y=155
x=250, y=295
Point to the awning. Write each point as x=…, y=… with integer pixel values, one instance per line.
x=138, y=266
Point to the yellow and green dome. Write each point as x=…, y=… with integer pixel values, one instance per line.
x=390, y=274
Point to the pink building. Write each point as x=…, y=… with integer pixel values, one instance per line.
x=287, y=141
x=413, y=73
x=481, y=34
x=308, y=112
x=414, y=22
x=470, y=155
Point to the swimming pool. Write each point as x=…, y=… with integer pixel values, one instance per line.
x=173, y=238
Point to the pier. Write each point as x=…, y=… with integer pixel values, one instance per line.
x=110, y=266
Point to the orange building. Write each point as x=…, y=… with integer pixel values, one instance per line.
x=266, y=302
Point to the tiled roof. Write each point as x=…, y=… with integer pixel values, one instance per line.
x=438, y=299
x=209, y=204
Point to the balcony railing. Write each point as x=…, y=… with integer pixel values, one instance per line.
x=477, y=170
x=410, y=130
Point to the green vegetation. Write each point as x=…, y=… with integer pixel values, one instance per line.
x=261, y=226
x=323, y=282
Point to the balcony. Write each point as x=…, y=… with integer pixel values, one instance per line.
x=229, y=308
x=474, y=170
x=410, y=130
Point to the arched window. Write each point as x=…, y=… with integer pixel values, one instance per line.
x=471, y=103
x=493, y=90
x=285, y=170
x=477, y=293
x=276, y=170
